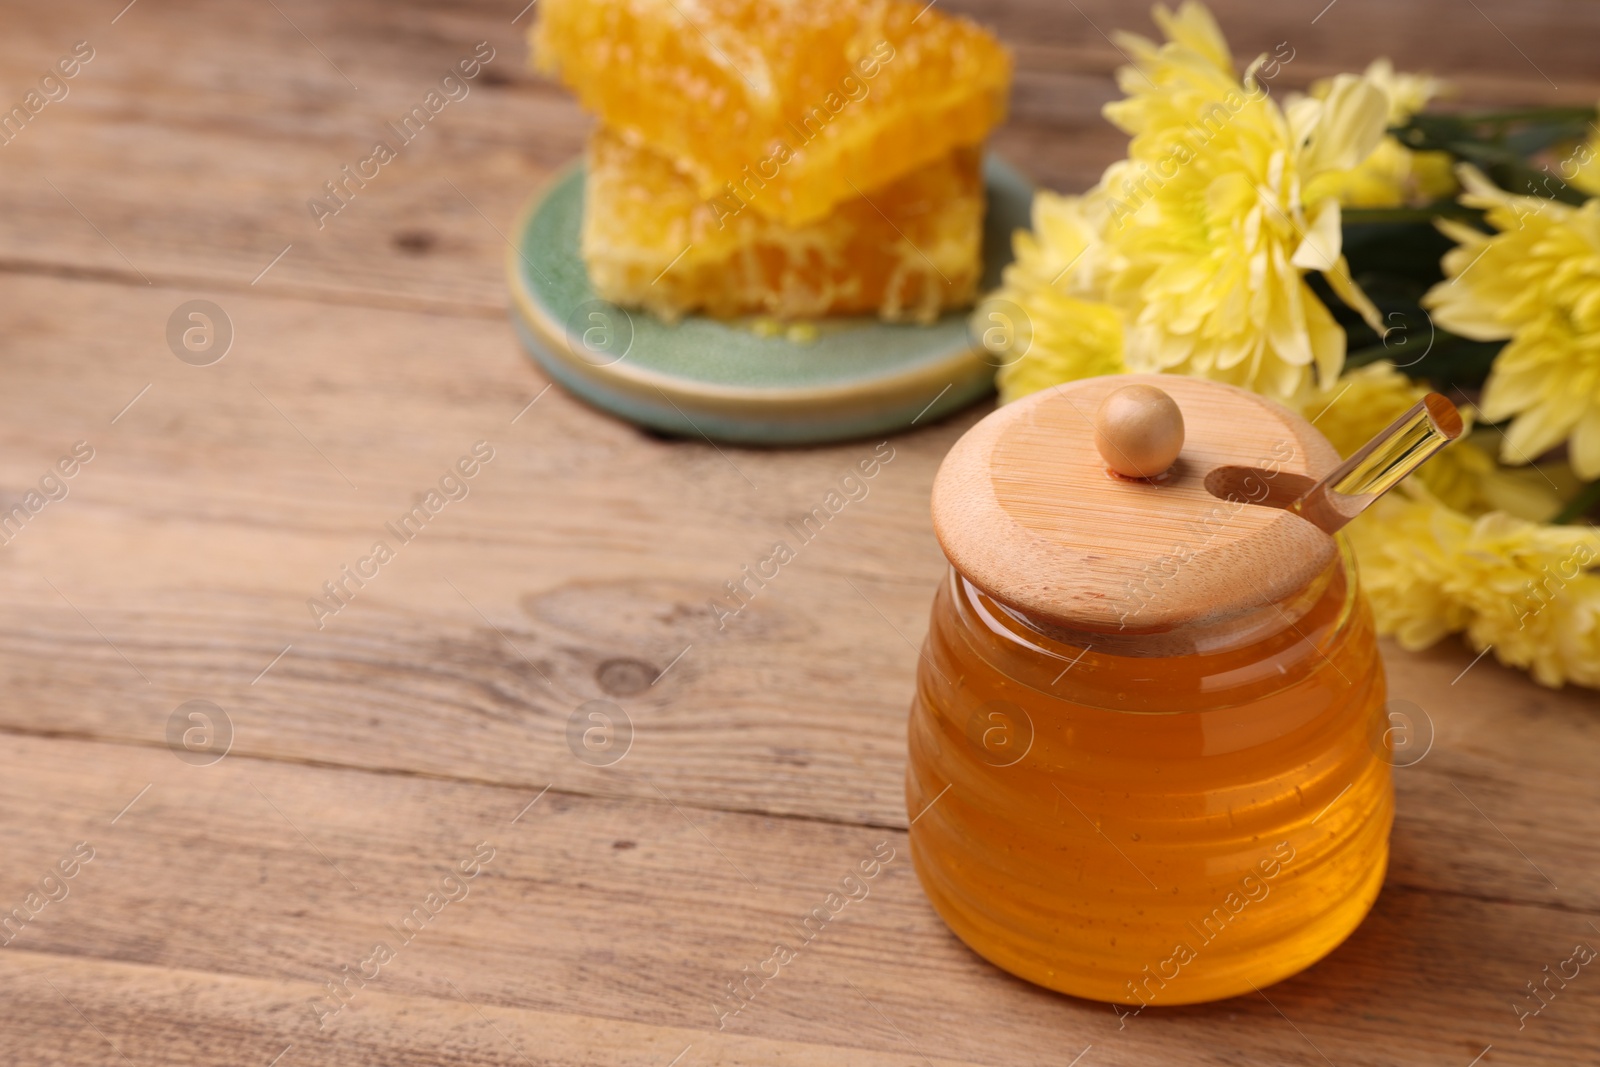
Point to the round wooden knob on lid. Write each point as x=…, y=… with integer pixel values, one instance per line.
x=1138, y=430
x=1025, y=507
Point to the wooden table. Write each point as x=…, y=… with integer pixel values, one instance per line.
x=425, y=724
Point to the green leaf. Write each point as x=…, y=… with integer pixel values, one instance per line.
x=1451, y=209
x=1579, y=506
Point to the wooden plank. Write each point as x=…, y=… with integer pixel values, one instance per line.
x=81, y=1012
x=227, y=521
x=250, y=884
x=1521, y=43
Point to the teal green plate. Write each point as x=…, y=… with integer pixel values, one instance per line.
x=721, y=380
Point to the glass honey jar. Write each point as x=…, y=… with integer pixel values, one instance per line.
x=1147, y=759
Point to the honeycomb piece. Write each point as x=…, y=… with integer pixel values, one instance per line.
x=907, y=251
x=787, y=107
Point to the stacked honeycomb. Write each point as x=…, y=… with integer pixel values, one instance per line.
x=773, y=157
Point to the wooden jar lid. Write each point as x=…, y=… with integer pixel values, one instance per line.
x=1025, y=507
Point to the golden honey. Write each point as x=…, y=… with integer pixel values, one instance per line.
x=1151, y=829
x=788, y=108
x=908, y=252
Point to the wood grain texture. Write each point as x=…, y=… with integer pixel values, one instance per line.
x=1024, y=506
x=274, y=877
x=583, y=565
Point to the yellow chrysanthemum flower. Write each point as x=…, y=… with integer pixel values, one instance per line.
x=1536, y=283
x=1462, y=545
x=1033, y=327
x=1392, y=175
x=1208, y=231
x=1071, y=339
x=1526, y=589
x=1190, y=257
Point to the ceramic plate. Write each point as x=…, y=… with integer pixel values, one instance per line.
x=722, y=380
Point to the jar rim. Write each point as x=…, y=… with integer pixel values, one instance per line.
x=1044, y=638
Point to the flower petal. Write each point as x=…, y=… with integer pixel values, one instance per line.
x=1355, y=114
